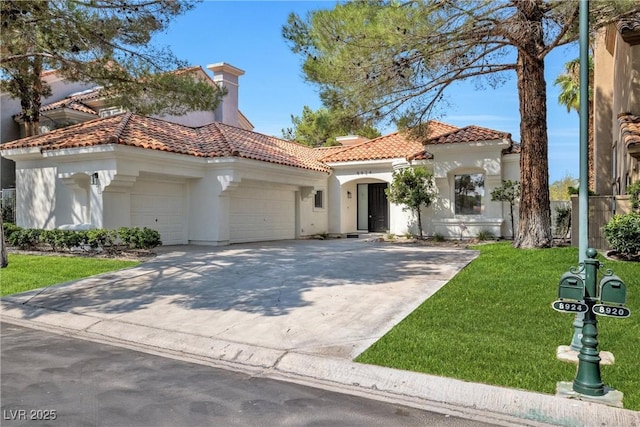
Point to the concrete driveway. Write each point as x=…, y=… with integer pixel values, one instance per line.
x=249, y=303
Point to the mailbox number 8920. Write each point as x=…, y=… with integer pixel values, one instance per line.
x=611, y=311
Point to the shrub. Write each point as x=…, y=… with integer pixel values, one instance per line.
x=438, y=237
x=148, y=239
x=74, y=239
x=53, y=238
x=623, y=233
x=9, y=229
x=25, y=239
x=485, y=235
x=137, y=238
x=563, y=221
x=127, y=236
x=96, y=239
x=100, y=238
x=634, y=195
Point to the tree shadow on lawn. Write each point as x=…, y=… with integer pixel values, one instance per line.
x=269, y=279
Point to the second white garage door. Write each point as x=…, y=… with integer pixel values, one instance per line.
x=259, y=213
x=160, y=206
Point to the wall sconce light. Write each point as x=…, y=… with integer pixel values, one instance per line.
x=348, y=194
x=94, y=180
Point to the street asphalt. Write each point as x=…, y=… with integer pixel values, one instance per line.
x=48, y=379
x=293, y=310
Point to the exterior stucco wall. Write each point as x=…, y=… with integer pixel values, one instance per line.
x=36, y=196
x=312, y=220
x=344, y=180
x=455, y=159
x=616, y=91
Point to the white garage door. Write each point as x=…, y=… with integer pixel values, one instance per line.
x=259, y=213
x=160, y=206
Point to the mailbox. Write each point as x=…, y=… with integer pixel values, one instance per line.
x=571, y=287
x=613, y=290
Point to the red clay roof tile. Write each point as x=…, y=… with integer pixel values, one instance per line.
x=629, y=129
x=213, y=140
x=392, y=146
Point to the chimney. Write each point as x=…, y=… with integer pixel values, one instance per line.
x=227, y=76
x=349, y=140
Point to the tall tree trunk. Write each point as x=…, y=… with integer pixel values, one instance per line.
x=534, y=230
x=32, y=101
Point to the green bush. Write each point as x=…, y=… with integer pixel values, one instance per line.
x=96, y=239
x=139, y=238
x=148, y=239
x=634, y=192
x=53, y=238
x=9, y=229
x=25, y=239
x=438, y=237
x=623, y=233
x=127, y=236
x=100, y=238
x=485, y=235
x=74, y=239
x=563, y=220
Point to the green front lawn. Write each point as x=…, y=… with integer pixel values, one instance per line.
x=493, y=323
x=26, y=272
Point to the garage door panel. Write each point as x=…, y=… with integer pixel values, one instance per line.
x=261, y=214
x=160, y=206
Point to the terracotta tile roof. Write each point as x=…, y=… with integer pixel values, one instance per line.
x=70, y=103
x=469, y=134
x=213, y=140
x=392, y=146
x=629, y=129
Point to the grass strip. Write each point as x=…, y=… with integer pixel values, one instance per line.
x=493, y=324
x=27, y=272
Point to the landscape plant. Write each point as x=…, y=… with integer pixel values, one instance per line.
x=623, y=234
x=413, y=188
x=508, y=192
x=96, y=240
x=563, y=221
x=634, y=195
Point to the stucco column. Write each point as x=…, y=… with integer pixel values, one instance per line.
x=334, y=199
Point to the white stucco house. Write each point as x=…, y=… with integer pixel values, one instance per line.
x=213, y=181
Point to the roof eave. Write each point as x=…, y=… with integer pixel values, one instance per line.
x=25, y=153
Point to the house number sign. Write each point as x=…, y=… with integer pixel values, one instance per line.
x=363, y=172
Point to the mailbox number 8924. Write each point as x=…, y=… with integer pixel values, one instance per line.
x=573, y=307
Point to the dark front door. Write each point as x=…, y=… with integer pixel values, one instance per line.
x=378, y=208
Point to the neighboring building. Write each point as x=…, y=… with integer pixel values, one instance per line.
x=73, y=103
x=617, y=107
x=209, y=179
x=616, y=127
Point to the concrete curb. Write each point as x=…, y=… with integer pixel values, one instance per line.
x=501, y=406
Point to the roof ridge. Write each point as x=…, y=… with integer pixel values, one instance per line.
x=115, y=138
x=489, y=129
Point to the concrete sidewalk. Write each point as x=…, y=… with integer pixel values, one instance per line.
x=298, y=310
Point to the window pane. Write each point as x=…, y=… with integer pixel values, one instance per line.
x=469, y=190
x=318, y=199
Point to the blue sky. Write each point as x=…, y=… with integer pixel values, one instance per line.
x=247, y=35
